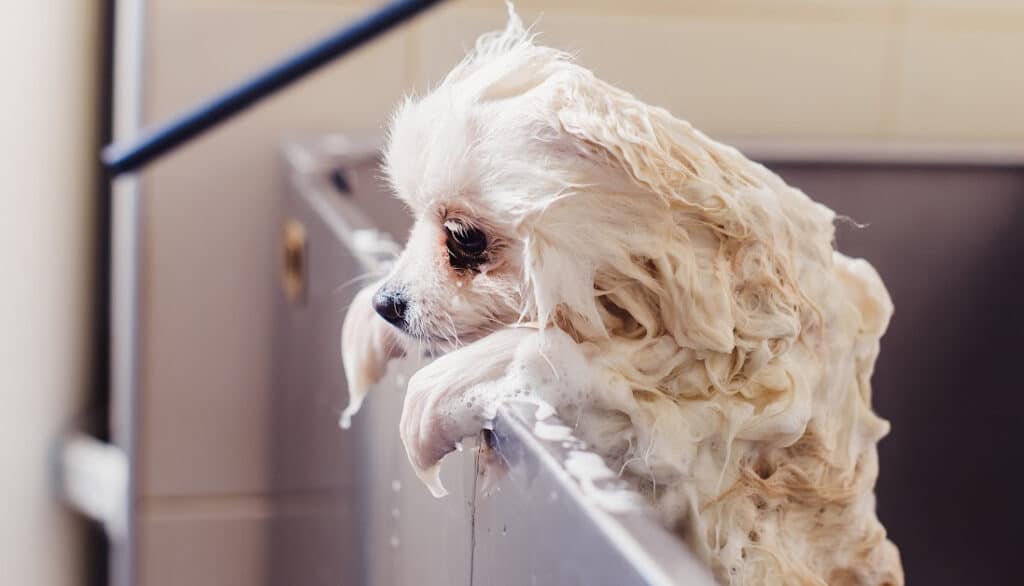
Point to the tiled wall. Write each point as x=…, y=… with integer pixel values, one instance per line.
x=882, y=69
x=938, y=70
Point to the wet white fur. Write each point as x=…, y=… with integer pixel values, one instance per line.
x=677, y=302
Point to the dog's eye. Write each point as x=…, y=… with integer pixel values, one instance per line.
x=466, y=245
x=469, y=240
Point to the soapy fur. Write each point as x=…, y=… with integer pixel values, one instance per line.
x=677, y=303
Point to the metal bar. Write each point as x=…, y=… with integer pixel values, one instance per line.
x=153, y=144
x=94, y=480
x=126, y=222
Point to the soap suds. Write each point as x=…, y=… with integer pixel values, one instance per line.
x=587, y=468
x=551, y=432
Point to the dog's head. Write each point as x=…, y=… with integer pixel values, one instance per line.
x=542, y=194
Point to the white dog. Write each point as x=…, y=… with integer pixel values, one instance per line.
x=679, y=301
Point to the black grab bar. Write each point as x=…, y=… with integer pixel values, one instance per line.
x=152, y=144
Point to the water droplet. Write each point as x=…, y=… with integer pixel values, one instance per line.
x=458, y=446
x=394, y=541
x=395, y=513
x=396, y=486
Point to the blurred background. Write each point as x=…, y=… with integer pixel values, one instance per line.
x=904, y=114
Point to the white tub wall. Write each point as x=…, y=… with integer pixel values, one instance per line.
x=792, y=69
x=47, y=154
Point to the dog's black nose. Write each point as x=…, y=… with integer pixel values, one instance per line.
x=391, y=306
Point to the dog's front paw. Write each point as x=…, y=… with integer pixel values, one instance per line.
x=453, y=398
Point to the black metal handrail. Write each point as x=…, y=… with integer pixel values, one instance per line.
x=154, y=143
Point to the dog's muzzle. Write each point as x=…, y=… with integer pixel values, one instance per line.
x=392, y=306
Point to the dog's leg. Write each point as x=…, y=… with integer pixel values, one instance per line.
x=367, y=343
x=449, y=399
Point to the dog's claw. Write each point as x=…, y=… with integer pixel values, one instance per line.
x=431, y=477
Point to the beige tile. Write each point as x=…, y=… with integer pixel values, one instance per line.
x=968, y=15
x=242, y=548
x=962, y=84
x=221, y=553
x=976, y=6
x=737, y=77
x=262, y=3
x=196, y=51
x=726, y=9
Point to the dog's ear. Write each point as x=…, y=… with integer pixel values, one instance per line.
x=367, y=344
x=725, y=275
x=664, y=156
x=658, y=151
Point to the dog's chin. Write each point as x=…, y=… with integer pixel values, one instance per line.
x=429, y=344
